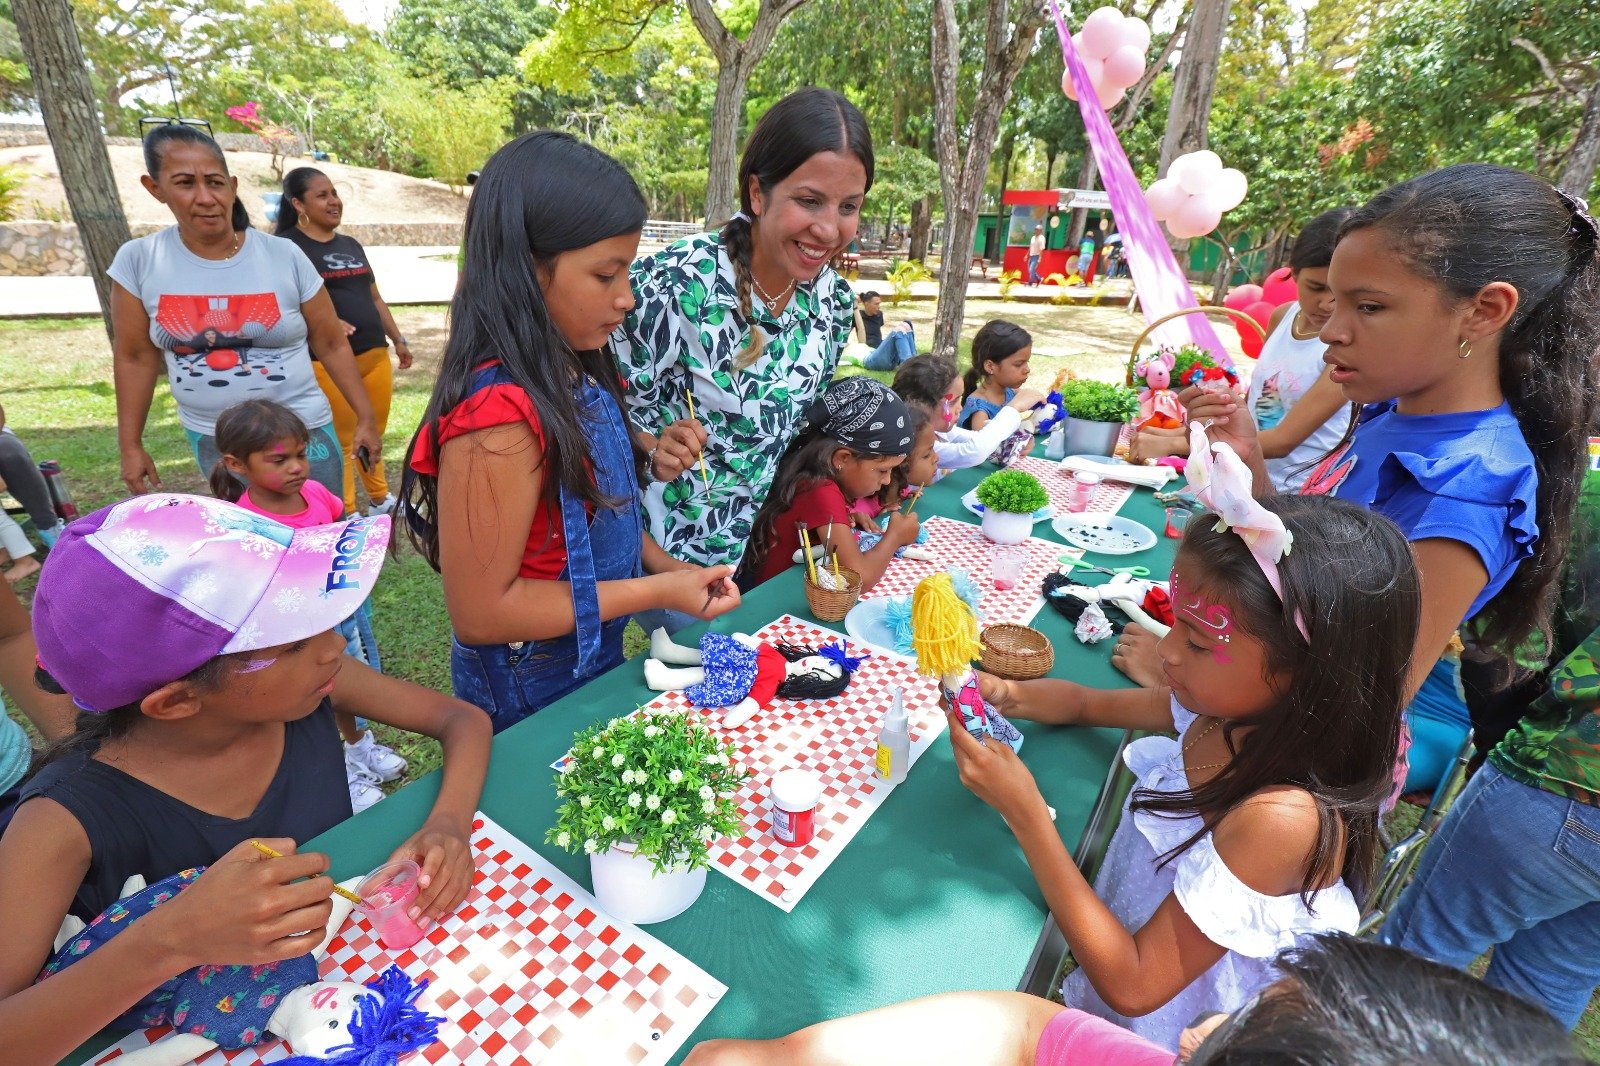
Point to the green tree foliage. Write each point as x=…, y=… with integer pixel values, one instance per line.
x=465, y=42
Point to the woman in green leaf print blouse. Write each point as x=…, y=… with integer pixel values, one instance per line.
x=752, y=319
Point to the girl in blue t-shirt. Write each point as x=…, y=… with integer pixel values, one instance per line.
x=1467, y=309
x=1000, y=354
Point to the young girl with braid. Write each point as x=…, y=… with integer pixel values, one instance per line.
x=736, y=332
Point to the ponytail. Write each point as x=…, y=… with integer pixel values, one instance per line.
x=240, y=217
x=224, y=486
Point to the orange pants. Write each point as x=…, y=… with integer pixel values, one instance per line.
x=377, y=375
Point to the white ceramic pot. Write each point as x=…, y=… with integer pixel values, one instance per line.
x=1003, y=527
x=1092, y=438
x=629, y=888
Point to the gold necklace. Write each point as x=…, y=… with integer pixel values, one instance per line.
x=231, y=252
x=1294, y=329
x=1184, y=750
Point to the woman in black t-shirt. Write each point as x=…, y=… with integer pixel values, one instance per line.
x=308, y=215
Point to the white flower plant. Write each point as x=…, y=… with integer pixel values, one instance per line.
x=661, y=781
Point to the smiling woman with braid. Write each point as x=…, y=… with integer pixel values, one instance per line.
x=736, y=332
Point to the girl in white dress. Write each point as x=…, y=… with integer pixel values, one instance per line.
x=1257, y=825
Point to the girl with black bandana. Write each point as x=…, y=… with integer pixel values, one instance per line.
x=856, y=434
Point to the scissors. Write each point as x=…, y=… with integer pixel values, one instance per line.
x=1070, y=562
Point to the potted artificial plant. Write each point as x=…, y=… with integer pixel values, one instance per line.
x=1010, y=498
x=643, y=797
x=1096, y=413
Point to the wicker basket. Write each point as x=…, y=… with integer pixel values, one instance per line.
x=1205, y=309
x=830, y=605
x=1020, y=653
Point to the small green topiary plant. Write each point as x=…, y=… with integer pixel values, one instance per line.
x=1012, y=492
x=1099, y=401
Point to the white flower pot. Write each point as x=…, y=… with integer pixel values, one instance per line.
x=1092, y=438
x=628, y=887
x=1003, y=527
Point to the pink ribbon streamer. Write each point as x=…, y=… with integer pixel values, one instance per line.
x=1157, y=278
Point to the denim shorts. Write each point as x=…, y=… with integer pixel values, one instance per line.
x=512, y=681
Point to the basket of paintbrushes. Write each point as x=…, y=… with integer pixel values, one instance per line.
x=831, y=589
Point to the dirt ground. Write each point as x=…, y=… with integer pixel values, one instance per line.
x=370, y=196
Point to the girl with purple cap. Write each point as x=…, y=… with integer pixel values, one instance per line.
x=208, y=695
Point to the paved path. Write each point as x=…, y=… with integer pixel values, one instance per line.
x=408, y=276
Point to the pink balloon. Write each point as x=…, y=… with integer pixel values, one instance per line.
x=1125, y=66
x=1196, y=171
x=1193, y=218
x=1102, y=31
x=1164, y=196
x=1261, y=311
x=1109, y=95
x=1096, y=69
x=1136, y=34
x=1067, y=86
x=1279, y=287
x=1242, y=297
x=1228, y=189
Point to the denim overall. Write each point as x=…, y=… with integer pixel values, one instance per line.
x=511, y=681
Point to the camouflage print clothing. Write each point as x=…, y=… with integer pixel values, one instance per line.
x=686, y=330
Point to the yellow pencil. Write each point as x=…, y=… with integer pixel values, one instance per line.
x=269, y=853
x=915, y=496
x=837, y=583
x=704, y=479
x=805, y=543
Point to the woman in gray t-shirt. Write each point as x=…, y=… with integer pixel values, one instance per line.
x=234, y=313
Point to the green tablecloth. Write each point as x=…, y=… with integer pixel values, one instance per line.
x=932, y=895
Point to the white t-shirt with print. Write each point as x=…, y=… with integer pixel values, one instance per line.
x=1285, y=372
x=231, y=329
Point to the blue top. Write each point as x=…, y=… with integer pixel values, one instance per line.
x=977, y=403
x=1466, y=476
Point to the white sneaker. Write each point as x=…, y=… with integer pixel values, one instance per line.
x=364, y=790
x=377, y=760
x=383, y=506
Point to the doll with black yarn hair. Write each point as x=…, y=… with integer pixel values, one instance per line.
x=743, y=674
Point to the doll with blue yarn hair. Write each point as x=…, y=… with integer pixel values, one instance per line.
x=743, y=674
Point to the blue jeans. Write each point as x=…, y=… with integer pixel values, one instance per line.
x=511, y=682
x=664, y=618
x=1033, y=270
x=896, y=348
x=1439, y=722
x=1515, y=868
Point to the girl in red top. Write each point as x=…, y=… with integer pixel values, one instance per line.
x=522, y=487
x=856, y=434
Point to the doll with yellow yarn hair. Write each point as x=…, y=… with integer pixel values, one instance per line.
x=944, y=634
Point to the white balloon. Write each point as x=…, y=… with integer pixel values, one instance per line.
x=1164, y=196
x=1136, y=34
x=1197, y=170
x=1228, y=189
x=1193, y=218
x=1125, y=67
x=1109, y=95
x=1102, y=31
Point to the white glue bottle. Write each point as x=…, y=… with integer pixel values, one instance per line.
x=894, y=742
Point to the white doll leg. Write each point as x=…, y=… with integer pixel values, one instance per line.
x=662, y=678
x=341, y=914
x=174, y=1049
x=664, y=648
x=912, y=551
x=740, y=713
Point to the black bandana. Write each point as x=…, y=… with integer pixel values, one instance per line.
x=864, y=415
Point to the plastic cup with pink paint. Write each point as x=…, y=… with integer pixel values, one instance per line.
x=387, y=895
x=1006, y=564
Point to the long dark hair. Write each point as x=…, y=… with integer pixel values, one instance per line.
x=917, y=418
x=155, y=145
x=543, y=194
x=997, y=340
x=922, y=379
x=1349, y=1002
x=1335, y=729
x=1465, y=227
x=811, y=685
x=802, y=124
x=248, y=427
x=1313, y=245
x=295, y=185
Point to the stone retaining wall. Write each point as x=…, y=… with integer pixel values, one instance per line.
x=39, y=249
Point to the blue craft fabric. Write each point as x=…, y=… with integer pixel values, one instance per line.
x=229, y=1005
x=730, y=672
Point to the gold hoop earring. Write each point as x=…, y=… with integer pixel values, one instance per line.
x=1465, y=349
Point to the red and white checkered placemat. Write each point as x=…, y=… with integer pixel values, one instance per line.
x=1107, y=499
x=837, y=739
x=960, y=546
x=529, y=969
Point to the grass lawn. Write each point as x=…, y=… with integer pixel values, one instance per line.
x=62, y=405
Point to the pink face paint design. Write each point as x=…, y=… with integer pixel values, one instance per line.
x=1213, y=619
x=255, y=665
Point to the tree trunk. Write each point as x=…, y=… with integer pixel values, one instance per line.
x=1088, y=176
x=1192, y=86
x=735, y=60
x=1578, y=174
x=1049, y=168
x=921, y=229
x=54, y=55
x=1005, y=49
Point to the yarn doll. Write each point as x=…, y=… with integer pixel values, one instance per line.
x=945, y=637
x=1158, y=403
x=229, y=1007
x=743, y=675
x=1044, y=417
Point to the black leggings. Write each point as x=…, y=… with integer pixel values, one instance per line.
x=23, y=480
